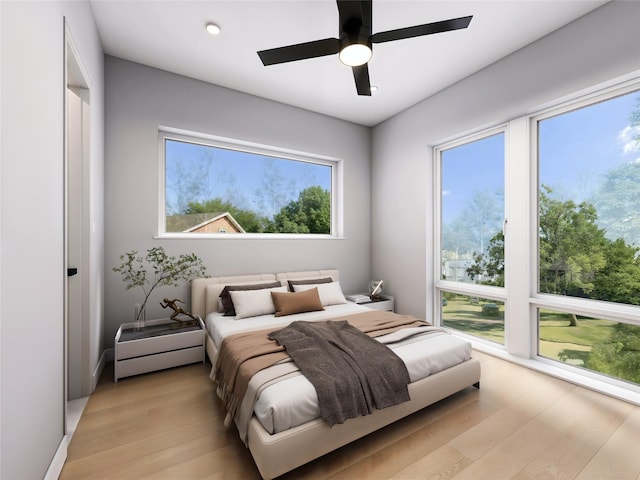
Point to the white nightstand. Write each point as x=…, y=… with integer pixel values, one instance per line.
x=156, y=347
x=385, y=303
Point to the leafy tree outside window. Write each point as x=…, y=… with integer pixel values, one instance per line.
x=589, y=232
x=211, y=188
x=471, y=240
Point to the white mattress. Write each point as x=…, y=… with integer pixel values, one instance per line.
x=294, y=401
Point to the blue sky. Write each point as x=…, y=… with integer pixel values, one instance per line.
x=477, y=166
x=576, y=148
x=250, y=181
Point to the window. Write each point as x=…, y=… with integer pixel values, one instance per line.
x=471, y=236
x=560, y=286
x=219, y=187
x=589, y=234
x=473, y=211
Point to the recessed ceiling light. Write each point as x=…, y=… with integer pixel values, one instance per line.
x=374, y=89
x=213, y=29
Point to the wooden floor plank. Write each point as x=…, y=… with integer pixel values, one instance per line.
x=520, y=425
x=443, y=463
x=619, y=458
x=411, y=448
x=506, y=458
x=588, y=421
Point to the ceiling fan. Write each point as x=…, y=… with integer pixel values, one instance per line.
x=354, y=44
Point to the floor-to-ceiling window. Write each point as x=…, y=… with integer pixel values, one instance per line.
x=471, y=263
x=572, y=189
x=588, y=158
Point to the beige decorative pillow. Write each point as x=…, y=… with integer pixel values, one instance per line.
x=329, y=293
x=288, y=303
x=225, y=296
x=252, y=303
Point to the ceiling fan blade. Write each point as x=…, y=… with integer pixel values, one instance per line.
x=300, y=51
x=361, y=76
x=355, y=16
x=367, y=15
x=419, y=30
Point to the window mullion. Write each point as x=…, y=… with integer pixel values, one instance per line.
x=518, y=254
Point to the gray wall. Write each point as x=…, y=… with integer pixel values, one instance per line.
x=139, y=99
x=31, y=225
x=595, y=48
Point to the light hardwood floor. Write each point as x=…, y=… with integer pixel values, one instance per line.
x=520, y=425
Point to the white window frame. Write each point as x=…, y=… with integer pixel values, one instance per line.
x=336, y=165
x=474, y=290
x=521, y=250
x=616, y=312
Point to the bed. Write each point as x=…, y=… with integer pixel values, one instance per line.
x=282, y=429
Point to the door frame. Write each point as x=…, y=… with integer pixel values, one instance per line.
x=77, y=80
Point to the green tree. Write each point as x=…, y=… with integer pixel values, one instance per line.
x=571, y=246
x=619, y=280
x=311, y=213
x=490, y=265
x=250, y=221
x=620, y=356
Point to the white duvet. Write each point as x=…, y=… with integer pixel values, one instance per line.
x=293, y=401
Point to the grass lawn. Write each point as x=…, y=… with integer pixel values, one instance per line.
x=465, y=316
x=555, y=333
x=558, y=339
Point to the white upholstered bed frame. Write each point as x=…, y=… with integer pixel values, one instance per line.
x=276, y=454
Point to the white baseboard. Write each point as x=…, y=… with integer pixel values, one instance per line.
x=55, y=467
x=109, y=354
x=97, y=373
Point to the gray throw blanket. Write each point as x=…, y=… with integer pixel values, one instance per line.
x=353, y=374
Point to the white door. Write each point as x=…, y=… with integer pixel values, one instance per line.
x=77, y=325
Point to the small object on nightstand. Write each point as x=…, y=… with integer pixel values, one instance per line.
x=178, y=310
x=376, y=289
x=383, y=302
x=358, y=298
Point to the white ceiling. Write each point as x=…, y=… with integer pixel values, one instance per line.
x=170, y=35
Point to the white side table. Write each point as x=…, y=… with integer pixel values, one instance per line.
x=156, y=347
x=385, y=303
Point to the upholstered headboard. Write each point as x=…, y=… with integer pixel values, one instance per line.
x=205, y=291
x=307, y=274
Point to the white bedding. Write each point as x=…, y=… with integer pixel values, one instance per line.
x=220, y=326
x=293, y=401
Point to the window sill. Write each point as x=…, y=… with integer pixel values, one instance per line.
x=248, y=236
x=628, y=393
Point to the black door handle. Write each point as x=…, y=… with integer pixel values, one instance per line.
x=71, y=271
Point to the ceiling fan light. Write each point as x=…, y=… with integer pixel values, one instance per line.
x=355, y=54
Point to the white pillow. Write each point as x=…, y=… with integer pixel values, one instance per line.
x=330, y=293
x=251, y=303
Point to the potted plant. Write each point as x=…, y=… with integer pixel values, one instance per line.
x=164, y=270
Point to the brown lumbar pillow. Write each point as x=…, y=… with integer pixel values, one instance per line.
x=288, y=303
